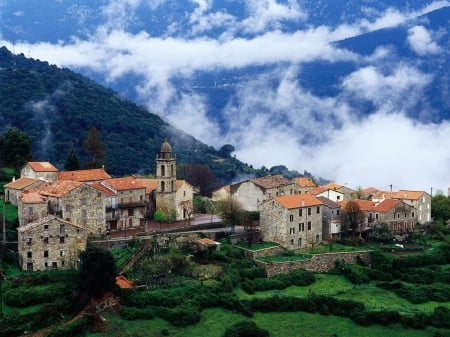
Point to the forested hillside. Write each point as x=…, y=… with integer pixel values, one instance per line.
x=56, y=108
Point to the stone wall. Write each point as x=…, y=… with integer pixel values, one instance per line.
x=319, y=263
x=255, y=254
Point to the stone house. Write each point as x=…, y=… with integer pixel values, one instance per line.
x=14, y=189
x=78, y=203
x=293, y=221
x=184, y=196
x=331, y=219
x=50, y=243
x=304, y=184
x=253, y=192
x=420, y=200
x=86, y=176
x=43, y=170
x=398, y=215
x=128, y=202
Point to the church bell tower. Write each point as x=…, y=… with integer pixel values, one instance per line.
x=166, y=177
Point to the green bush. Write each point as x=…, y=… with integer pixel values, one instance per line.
x=133, y=313
x=24, y=296
x=180, y=316
x=72, y=329
x=245, y=329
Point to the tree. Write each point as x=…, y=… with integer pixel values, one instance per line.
x=440, y=207
x=226, y=150
x=199, y=176
x=15, y=148
x=160, y=216
x=93, y=145
x=353, y=216
x=98, y=271
x=72, y=162
x=231, y=211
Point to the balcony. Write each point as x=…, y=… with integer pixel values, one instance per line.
x=139, y=203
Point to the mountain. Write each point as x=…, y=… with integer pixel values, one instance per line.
x=56, y=107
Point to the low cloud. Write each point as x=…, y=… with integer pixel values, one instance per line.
x=421, y=42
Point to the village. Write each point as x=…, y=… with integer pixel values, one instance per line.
x=59, y=211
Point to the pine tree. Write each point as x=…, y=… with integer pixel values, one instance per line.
x=93, y=145
x=72, y=162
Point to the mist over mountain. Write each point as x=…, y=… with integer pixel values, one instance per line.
x=355, y=91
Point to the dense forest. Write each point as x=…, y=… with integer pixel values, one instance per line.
x=57, y=107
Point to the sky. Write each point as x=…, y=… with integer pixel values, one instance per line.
x=285, y=123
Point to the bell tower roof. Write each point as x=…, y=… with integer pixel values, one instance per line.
x=166, y=148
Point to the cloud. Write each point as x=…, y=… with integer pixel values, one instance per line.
x=271, y=119
x=421, y=42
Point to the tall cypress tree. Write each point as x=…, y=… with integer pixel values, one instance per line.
x=72, y=162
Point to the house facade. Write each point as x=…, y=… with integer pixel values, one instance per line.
x=14, y=189
x=293, y=221
x=400, y=217
x=331, y=219
x=420, y=200
x=252, y=192
x=50, y=243
x=78, y=203
x=43, y=170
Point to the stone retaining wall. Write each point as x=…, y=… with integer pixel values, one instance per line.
x=255, y=254
x=319, y=263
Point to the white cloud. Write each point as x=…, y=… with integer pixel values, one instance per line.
x=421, y=42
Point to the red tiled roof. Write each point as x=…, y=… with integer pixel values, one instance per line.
x=125, y=183
x=304, y=182
x=57, y=188
x=383, y=195
x=32, y=197
x=84, y=175
x=386, y=205
x=298, y=201
x=149, y=184
x=271, y=181
x=405, y=194
x=103, y=188
x=21, y=183
x=42, y=166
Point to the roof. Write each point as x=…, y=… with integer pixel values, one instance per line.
x=207, y=241
x=43, y=221
x=298, y=201
x=369, y=190
x=321, y=189
x=125, y=183
x=383, y=195
x=123, y=282
x=21, y=183
x=405, y=194
x=271, y=181
x=57, y=188
x=149, y=184
x=42, y=166
x=386, y=205
x=304, y=182
x=108, y=192
x=328, y=202
x=84, y=175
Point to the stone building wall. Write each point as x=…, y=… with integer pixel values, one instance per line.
x=134, y=200
x=319, y=263
x=50, y=243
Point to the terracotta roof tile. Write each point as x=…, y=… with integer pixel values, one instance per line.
x=329, y=203
x=125, y=183
x=298, y=201
x=21, y=183
x=57, y=188
x=149, y=184
x=304, y=182
x=32, y=197
x=108, y=192
x=42, y=166
x=405, y=194
x=386, y=205
x=84, y=175
x=271, y=181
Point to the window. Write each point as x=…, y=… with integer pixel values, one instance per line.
x=99, y=195
x=62, y=239
x=292, y=230
x=130, y=222
x=46, y=227
x=29, y=255
x=309, y=210
x=300, y=212
x=163, y=170
x=338, y=197
x=337, y=212
x=68, y=207
x=141, y=198
x=46, y=239
x=45, y=253
x=412, y=214
x=317, y=238
x=291, y=217
x=130, y=211
x=29, y=241
x=61, y=253
x=318, y=210
x=62, y=230
x=163, y=186
x=171, y=170
x=29, y=266
x=301, y=227
x=300, y=243
x=54, y=266
x=292, y=242
x=83, y=201
x=309, y=225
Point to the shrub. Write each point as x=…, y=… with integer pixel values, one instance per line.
x=180, y=316
x=133, y=313
x=72, y=329
x=245, y=329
